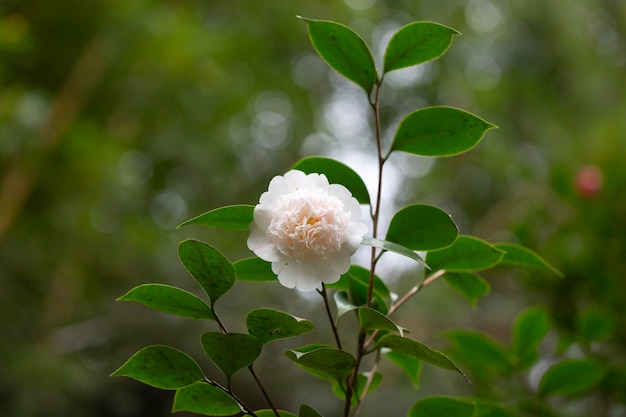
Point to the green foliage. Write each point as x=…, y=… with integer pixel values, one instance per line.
x=269, y=325
x=325, y=362
x=411, y=365
x=231, y=352
x=236, y=217
x=422, y=227
x=442, y=407
x=254, y=269
x=466, y=254
x=205, y=399
x=371, y=319
x=572, y=377
x=354, y=284
x=393, y=247
x=471, y=286
x=483, y=354
x=529, y=329
x=516, y=255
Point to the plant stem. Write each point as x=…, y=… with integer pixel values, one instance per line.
x=324, y=295
x=247, y=409
x=265, y=394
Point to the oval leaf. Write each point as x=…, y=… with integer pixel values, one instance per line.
x=416, y=43
x=206, y=399
x=254, y=269
x=572, y=377
x=208, y=266
x=411, y=366
x=393, y=247
x=236, y=217
x=517, y=255
x=328, y=363
x=269, y=325
x=343, y=303
x=270, y=413
x=231, y=352
x=371, y=319
x=170, y=300
x=442, y=407
x=439, y=131
x=161, y=367
x=472, y=286
x=337, y=173
x=422, y=227
x=480, y=352
x=529, y=329
x=306, y=411
x=355, y=282
x=417, y=350
x=344, y=51
x=466, y=254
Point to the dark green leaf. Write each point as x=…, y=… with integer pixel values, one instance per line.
x=417, y=350
x=572, y=377
x=491, y=409
x=344, y=51
x=371, y=319
x=439, y=131
x=442, y=407
x=161, y=367
x=306, y=411
x=393, y=247
x=328, y=363
x=337, y=173
x=270, y=413
x=236, y=217
x=254, y=269
x=595, y=324
x=170, y=300
x=344, y=304
x=355, y=283
x=422, y=227
x=338, y=389
x=206, y=399
x=411, y=366
x=517, y=255
x=466, y=254
x=472, y=286
x=480, y=352
x=529, y=329
x=269, y=325
x=231, y=352
x=208, y=266
x=416, y=43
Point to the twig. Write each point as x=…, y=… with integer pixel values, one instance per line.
x=324, y=295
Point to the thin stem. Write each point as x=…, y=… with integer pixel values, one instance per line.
x=368, y=383
x=265, y=394
x=247, y=409
x=352, y=381
x=324, y=295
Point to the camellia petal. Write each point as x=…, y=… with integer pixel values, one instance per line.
x=307, y=228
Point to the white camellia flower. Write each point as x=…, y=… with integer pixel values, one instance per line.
x=307, y=228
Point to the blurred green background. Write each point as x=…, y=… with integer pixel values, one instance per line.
x=121, y=119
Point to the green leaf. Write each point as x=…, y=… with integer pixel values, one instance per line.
x=355, y=282
x=236, y=217
x=466, y=254
x=161, y=367
x=517, y=255
x=206, y=399
x=337, y=173
x=595, y=324
x=442, y=407
x=529, y=329
x=572, y=377
x=393, y=247
x=417, y=350
x=170, y=300
x=472, y=286
x=344, y=304
x=411, y=365
x=422, y=227
x=416, y=43
x=479, y=352
x=344, y=51
x=231, y=352
x=439, y=131
x=371, y=319
x=254, y=269
x=270, y=413
x=306, y=411
x=212, y=270
x=338, y=389
x=269, y=325
x=326, y=362
x=491, y=409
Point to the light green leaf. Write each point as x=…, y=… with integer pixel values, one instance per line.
x=306, y=411
x=344, y=305
x=170, y=300
x=439, y=131
x=572, y=377
x=529, y=329
x=205, y=399
x=161, y=367
x=393, y=247
x=422, y=227
x=326, y=362
x=232, y=351
x=212, y=270
x=480, y=352
x=411, y=365
x=472, y=286
x=337, y=173
x=344, y=51
x=466, y=254
x=268, y=325
x=338, y=389
x=416, y=43
x=355, y=283
x=254, y=269
x=236, y=217
x=442, y=407
x=517, y=255
x=417, y=350
x=371, y=319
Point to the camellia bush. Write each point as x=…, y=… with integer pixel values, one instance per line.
x=304, y=231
